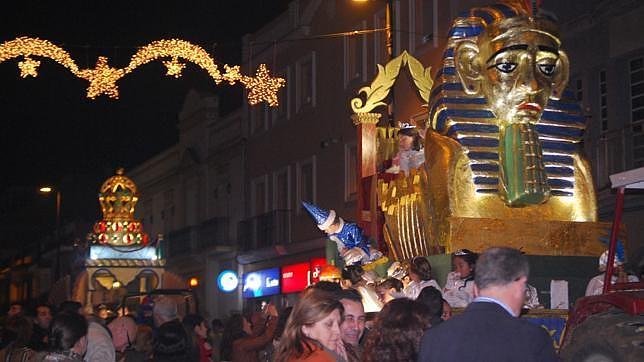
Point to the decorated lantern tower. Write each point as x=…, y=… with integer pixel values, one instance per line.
x=122, y=258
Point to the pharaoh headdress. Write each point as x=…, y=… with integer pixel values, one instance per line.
x=469, y=120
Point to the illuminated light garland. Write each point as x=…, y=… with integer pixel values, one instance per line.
x=102, y=79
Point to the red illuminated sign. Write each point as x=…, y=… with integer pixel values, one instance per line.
x=316, y=267
x=295, y=278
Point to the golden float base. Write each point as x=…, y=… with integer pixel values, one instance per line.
x=533, y=237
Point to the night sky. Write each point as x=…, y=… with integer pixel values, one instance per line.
x=52, y=134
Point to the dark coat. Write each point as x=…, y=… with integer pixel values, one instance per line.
x=486, y=332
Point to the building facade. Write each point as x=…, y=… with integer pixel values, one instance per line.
x=191, y=194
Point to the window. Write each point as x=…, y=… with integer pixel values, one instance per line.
x=350, y=171
x=282, y=111
x=282, y=189
x=354, y=48
x=637, y=109
x=603, y=101
x=306, y=180
x=306, y=82
x=259, y=195
x=579, y=90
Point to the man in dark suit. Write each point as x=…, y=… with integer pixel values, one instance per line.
x=488, y=329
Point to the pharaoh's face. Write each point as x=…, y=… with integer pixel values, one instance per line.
x=519, y=74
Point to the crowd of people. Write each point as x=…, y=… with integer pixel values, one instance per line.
x=331, y=321
x=74, y=333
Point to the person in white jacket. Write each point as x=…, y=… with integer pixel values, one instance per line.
x=596, y=284
x=459, y=287
x=420, y=273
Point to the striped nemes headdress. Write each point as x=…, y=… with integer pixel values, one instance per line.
x=469, y=120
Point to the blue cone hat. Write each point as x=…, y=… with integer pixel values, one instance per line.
x=323, y=218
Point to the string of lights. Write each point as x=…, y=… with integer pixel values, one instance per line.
x=173, y=53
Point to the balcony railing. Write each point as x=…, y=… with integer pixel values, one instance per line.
x=272, y=228
x=190, y=239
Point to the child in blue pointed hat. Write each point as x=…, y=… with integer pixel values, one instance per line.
x=352, y=245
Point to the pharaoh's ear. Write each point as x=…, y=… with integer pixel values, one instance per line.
x=560, y=79
x=468, y=66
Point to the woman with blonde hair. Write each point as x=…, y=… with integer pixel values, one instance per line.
x=312, y=332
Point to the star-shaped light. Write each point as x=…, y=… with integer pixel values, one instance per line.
x=102, y=79
x=174, y=67
x=232, y=74
x=263, y=87
x=28, y=67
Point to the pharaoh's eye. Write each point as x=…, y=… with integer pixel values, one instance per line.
x=506, y=67
x=547, y=69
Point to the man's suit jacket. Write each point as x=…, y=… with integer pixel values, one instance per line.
x=486, y=332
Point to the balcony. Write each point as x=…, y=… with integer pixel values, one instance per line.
x=191, y=239
x=265, y=230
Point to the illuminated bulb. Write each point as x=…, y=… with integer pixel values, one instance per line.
x=116, y=285
x=193, y=282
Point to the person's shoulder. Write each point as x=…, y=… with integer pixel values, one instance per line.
x=320, y=355
x=317, y=355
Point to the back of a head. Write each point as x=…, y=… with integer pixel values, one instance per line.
x=67, y=328
x=397, y=331
x=420, y=266
x=391, y=283
x=165, y=310
x=499, y=267
x=431, y=298
x=327, y=286
x=70, y=306
x=192, y=320
x=172, y=340
x=350, y=294
x=353, y=273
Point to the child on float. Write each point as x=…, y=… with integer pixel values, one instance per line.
x=459, y=287
x=596, y=284
x=420, y=273
x=354, y=277
x=410, y=150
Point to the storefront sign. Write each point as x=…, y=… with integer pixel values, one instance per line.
x=261, y=283
x=316, y=267
x=227, y=281
x=295, y=278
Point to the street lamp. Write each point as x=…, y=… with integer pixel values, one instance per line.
x=49, y=190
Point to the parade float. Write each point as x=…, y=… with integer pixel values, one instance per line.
x=502, y=161
x=124, y=264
